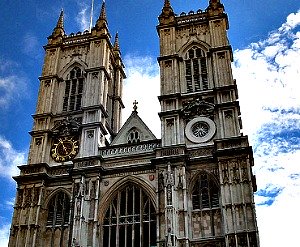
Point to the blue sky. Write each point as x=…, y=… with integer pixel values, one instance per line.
x=265, y=36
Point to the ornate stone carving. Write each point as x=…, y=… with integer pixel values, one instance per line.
x=128, y=150
x=197, y=107
x=65, y=127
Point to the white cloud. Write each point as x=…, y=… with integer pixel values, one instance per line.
x=142, y=85
x=267, y=74
x=12, y=86
x=10, y=159
x=83, y=18
x=4, y=235
x=31, y=46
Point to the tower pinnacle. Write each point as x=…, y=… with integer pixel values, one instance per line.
x=116, y=43
x=101, y=23
x=59, y=30
x=103, y=11
x=215, y=5
x=167, y=15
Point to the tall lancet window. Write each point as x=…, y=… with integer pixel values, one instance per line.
x=73, y=90
x=206, y=209
x=196, y=70
x=59, y=210
x=130, y=220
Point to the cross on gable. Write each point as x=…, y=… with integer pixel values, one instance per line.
x=135, y=103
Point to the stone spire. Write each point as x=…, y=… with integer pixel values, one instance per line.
x=59, y=29
x=167, y=15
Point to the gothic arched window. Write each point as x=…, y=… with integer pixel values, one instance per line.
x=73, y=90
x=206, y=209
x=130, y=220
x=133, y=136
x=59, y=210
x=205, y=193
x=196, y=70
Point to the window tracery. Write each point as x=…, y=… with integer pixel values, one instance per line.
x=133, y=136
x=58, y=210
x=73, y=90
x=206, y=209
x=130, y=216
x=196, y=70
x=205, y=193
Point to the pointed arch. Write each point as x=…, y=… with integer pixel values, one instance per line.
x=69, y=66
x=129, y=216
x=52, y=194
x=194, y=65
x=56, y=218
x=110, y=194
x=194, y=42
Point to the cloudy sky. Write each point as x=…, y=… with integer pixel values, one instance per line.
x=265, y=36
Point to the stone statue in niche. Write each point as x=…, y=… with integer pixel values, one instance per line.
x=161, y=181
x=169, y=183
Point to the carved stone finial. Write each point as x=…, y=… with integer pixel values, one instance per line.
x=135, y=103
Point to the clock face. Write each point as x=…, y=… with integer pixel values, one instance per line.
x=64, y=148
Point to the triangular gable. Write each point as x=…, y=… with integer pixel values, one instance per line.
x=134, y=130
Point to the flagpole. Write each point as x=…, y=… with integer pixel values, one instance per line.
x=91, y=17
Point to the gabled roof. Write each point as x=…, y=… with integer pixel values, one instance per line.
x=132, y=124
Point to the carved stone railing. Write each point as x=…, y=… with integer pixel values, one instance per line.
x=170, y=151
x=128, y=150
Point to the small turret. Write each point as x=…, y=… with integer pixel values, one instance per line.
x=58, y=31
x=167, y=15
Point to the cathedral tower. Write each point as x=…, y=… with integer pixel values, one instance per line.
x=209, y=160
x=91, y=182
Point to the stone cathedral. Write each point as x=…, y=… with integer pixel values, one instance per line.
x=91, y=182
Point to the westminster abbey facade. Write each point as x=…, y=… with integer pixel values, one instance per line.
x=91, y=182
